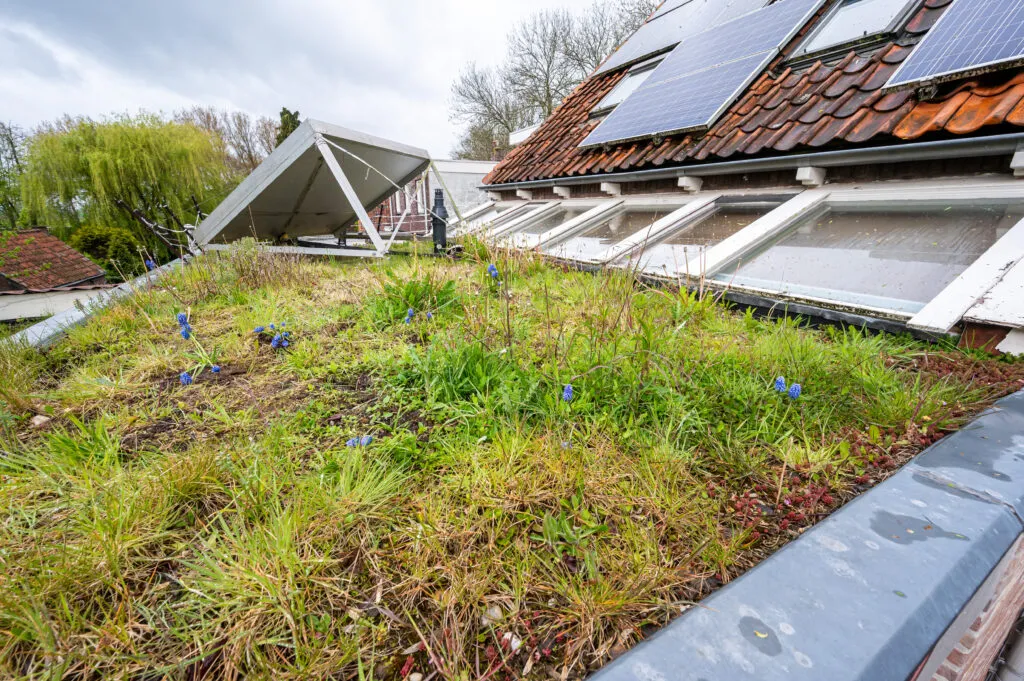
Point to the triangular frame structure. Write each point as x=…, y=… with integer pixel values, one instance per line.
x=289, y=194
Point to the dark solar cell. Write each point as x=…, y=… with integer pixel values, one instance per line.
x=971, y=34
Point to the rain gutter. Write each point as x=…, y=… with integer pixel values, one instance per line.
x=993, y=145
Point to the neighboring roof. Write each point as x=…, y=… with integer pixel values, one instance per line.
x=294, y=192
x=35, y=259
x=820, y=106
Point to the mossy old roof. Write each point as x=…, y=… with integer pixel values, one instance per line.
x=34, y=259
x=819, y=106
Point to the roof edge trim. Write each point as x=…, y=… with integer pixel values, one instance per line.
x=992, y=145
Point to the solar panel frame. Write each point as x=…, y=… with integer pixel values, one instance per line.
x=702, y=55
x=909, y=73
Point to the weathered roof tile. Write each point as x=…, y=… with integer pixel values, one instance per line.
x=35, y=259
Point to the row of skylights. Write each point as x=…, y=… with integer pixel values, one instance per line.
x=866, y=251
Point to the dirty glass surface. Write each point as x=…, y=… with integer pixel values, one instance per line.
x=553, y=219
x=514, y=213
x=889, y=256
x=854, y=19
x=594, y=240
x=686, y=244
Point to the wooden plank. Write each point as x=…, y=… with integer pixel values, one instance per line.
x=1003, y=305
x=953, y=302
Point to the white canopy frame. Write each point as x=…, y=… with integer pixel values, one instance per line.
x=289, y=195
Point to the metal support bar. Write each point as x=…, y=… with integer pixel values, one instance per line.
x=350, y=194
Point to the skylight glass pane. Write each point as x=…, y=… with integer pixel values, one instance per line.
x=889, y=257
x=594, y=240
x=685, y=245
x=855, y=19
x=627, y=86
x=515, y=213
x=553, y=219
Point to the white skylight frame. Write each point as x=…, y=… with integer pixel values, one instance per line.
x=493, y=231
x=679, y=207
x=530, y=241
x=807, y=47
x=947, y=307
x=627, y=86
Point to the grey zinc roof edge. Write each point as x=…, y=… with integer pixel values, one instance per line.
x=51, y=330
x=865, y=594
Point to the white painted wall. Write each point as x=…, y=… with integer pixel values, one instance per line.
x=36, y=305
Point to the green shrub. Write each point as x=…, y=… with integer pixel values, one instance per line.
x=114, y=249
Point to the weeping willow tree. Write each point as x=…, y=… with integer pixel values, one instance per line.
x=131, y=171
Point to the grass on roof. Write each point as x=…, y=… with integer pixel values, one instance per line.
x=491, y=529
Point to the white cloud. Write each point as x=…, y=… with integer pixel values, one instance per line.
x=384, y=67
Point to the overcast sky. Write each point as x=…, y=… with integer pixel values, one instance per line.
x=380, y=66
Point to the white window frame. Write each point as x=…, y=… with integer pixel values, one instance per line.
x=950, y=305
x=681, y=202
x=531, y=241
x=530, y=215
x=708, y=203
x=901, y=17
x=602, y=109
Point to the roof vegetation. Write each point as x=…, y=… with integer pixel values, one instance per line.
x=447, y=468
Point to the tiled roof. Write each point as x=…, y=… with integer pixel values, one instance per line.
x=34, y=259
x=821, y=106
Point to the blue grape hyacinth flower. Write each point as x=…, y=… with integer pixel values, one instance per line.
x=493, y=271
x=354, y=442
x=186, y=332
x=150, y=265
x=409, y=315
x=259, y=329
x=430, y=315
x=182, y=319
x=567, y=393
x=795, y=390
x=185, y=378
x=215, y=368
x=275, y=342
x=780, y=384
x=365, y=440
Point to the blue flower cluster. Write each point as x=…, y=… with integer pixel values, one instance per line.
x=409, y=315
x=186, y=328
x=280, y=338
x=793, y=391
x=185, y=378
x=363, y=441
x=150, y=265
x=493, y=271
x=567, y=393
x=215, y=368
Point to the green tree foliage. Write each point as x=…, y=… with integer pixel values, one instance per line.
x=289, y=121
x=115, y=249
x=12, y=142
x=80, y=171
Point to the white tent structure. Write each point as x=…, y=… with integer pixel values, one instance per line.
x=318, y=182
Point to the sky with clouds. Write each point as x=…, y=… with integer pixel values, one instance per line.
x=380, y=66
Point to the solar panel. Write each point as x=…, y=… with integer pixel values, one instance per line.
x=704, y=74
x=674, y=21
x=972, y=34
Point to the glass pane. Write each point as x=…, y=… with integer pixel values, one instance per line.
x=855, y=19
x=553, y=219
x=626, y=86
x=596, y=239
x=685, y=245
x=890, y=257
x=515, y=213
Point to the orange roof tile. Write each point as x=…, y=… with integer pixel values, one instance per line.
x=815, y=107
x=34, y=259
